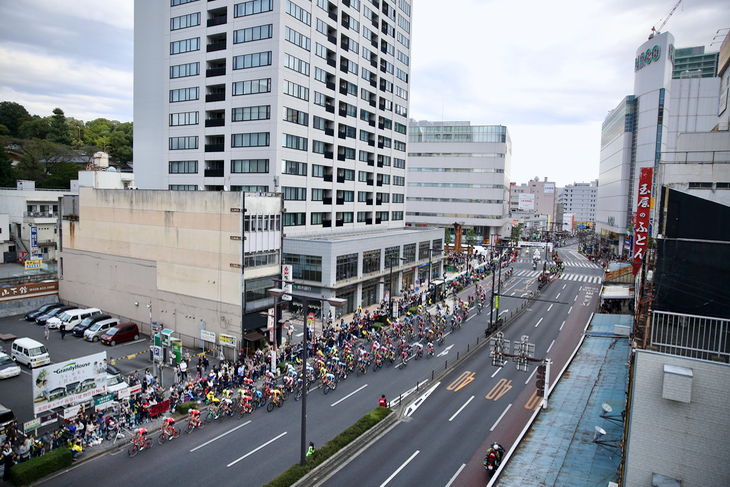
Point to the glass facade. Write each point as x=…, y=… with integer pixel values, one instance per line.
x=306, y=267
x=371, y=261
x=459, y=133
x=346, y=266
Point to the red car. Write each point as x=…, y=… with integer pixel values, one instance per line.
x=123, y=332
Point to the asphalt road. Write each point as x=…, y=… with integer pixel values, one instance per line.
x=442, y=441
x=16, y=392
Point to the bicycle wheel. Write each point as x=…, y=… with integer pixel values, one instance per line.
x=297, y=395
x=334, y=386
x=284, y=394
x=175, y=433
x=359, y=371
x=190, y=428
x=270, y=407
x=241, y=412
x=133, y=450
x=375, y=367
x=326, y=389
x=222, y=415
x=162, y=438
x=210, y=416
x=200, y=425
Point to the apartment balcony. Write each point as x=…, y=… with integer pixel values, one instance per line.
x=332, y=39
x=374, y=63
x=326, y=223
x=371, y=122
x=345, y=23
x=215, y=122
x=342, y=135
x=343, y=67
x=370, y=182
x=214, y=148
x=343, y=90
x=340, y=201
x=329, y=132
x=346, y=3
x=373, y=103
x=380, y=183
x=328, y=154
x=340, y=157
x=369, y=201
x=381, y=126
x=333, y=63
x=344, y=45
x=382, y=68
x=220, y=20
x=216, y=46
x=373, y=82
x=374, y=42
x=330, y=85
x=330, y=108
x=375, y=23
x=214, y=173
x=332, y=15
x=371, y=143
x=380, y=163
x=327, y=177
x=368, y=221
x=211, y=72
x=371, y=162
x=340, y=179
x=380, y=145
x=376, y=3
x=339, y=223
x=327, y=200
x=215, y=97
x=378, y=202
x=343, y=112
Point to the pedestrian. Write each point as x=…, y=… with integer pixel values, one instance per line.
x=47, y=331
x=205, y=364
x=62, y=327
x=383, y=403
x=183, y=370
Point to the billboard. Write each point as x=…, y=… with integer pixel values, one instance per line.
x=549, y=188
x=527, y=202
x=643, y=206
x=68, y=382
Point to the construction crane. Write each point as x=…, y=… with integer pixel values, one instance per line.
x=659, y=30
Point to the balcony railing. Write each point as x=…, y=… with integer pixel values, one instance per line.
x=328, y=154
x=211, y=97
x=373, y=103
x=332, y=39
x=215, y=122
x=332, y=15
x=369, y=201
x=370, y=182
x=327, y=177
x=327, y=200
x=340, y=179
x=340, y=201
x=211, y=72
x=222, y=19
x=330, y=85
x=216, y=46
x=326, y=223
x=39, y=214
x=340, y=157
x=333, y=63
x=329, y=132
x=343, y=112
x=340, y=223
x=214, y=148
x=214, y=173
x=330, y=108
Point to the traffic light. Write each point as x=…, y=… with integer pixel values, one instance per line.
x=540, y=383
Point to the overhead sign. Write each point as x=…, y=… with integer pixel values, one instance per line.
x=643, y=207
x=286, y=275
x=68, y=382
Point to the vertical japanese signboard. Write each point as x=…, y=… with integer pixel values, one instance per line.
x=33, y=241
x=643, y=207
x=286, y=273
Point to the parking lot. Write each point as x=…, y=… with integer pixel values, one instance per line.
x=16, y=392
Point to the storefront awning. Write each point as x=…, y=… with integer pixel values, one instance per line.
x=253, y=336
x=617, y=292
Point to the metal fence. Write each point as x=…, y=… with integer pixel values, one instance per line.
x=692, y=336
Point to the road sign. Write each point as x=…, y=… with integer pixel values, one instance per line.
x=103, y=401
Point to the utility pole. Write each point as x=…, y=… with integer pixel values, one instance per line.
x=522, y=354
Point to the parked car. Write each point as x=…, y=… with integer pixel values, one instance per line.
x=71, y=318
x=8, y=367
x=42, y=310
x=41, y=320
x=95, y=331
x=120, y=333
x=29, y=352
x=78, y=330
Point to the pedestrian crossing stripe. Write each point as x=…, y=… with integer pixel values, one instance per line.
x=581, y=278
x=572, y=263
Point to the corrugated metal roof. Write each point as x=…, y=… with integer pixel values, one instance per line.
x=558, y=449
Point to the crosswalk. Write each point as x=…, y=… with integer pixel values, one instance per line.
x=564, y=277
x=572, y=263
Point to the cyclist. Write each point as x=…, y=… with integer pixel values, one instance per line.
x=140, y=438
x=419, y=350
x=194, y=415
x=169, y=427
x=429, y=348
x=276, y=396
x=329, y=379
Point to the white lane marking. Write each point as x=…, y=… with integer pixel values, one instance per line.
x=255, y=450
x=538, y=323
x=417, y=403
x=571, y=309
x=503, y=312
x=461, y=408
x=561, y=326
x=456, y=475
x=533, y=373
x=564, y=286
x=400, y=468
x=219, y=436
x=513, y=293
x=550, y=307
x=299, y=334
x=496, y=372
x=25, y=372
x=410, y=391
x=350, y=394
x=502, y=415
x=551, y=346
x=575, y=299
x=446, y=350
x=556, y=297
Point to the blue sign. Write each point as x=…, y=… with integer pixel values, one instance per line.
x=581, y=226
x=33, y=239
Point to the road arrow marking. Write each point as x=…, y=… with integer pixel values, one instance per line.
x=446, y=350
x=417, y=403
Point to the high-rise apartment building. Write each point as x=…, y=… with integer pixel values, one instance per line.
x=693, y=61
x=458, y=172
x=309, y=99
x=579, y=199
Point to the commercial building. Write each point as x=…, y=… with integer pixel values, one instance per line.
x=693, y=62
x=579, y=199
x=536, y=197
x=458, y=172
x=307, y=99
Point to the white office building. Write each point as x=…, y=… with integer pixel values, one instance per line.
x=579, y=199
x=458, y=172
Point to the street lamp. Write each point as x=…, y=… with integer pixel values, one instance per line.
x=336, y=302
x=390, y=284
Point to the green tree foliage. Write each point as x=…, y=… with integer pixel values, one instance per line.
x=447, y=236
x=60, y=176
x=110, y=136
x=39, y=159
x=7, y=173
x=59, y=133
x=76, y=130
x=35, y=128
x=12, y=116
x=471, y=237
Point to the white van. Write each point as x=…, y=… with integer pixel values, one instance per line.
x=71, y=318
x=95, y=331
x=30, y=352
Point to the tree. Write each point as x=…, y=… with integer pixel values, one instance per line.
x=111, y=136
x=471, y=237
x=12, y=115
x=447, y=236
x=39, y=158
x=7, y=173
x=35, y=128
x=59, y=133
x=61, y=176
x=76, y=130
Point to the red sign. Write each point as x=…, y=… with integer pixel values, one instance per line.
x=641, y=226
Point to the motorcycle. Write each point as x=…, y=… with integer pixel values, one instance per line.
x=534, y=266
x=493, y=458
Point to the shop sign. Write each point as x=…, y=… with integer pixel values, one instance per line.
x=227, y=340
x=643, y=207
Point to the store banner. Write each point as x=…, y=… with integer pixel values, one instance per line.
x=286, y=275
x=643, y=208
x=68, y=382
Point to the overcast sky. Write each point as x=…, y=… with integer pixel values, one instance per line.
x=548, y=70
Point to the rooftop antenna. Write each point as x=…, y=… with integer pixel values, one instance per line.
x=604, y=443
x=606, y=411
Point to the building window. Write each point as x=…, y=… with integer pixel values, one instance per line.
x=371, y=261
x=297, y=91
x=404, y=24
x=296, y=64
x=401, y=93
x=252, y=60
x=403, y=40
x=346, y=266
x=185, y=21
x=305, y=267
x=253, y=34
x=409, y=250
x=383, y=215
x=320, y=75
x=347, y=130
x=186, y=45
x=250, y=189
x=294, y=142
x=399, y=181
x=400, y=128
x=183, y=167
x=348, y=196
x=349, y=174
x=246, y=114
x=319, y=123
x=253, y=7
x=184, y=70
x=298, y=12
x=260, y=139
x=317, y=218
x=399, y=146
x=257, y=291
x=293, y=167
x=362, y=216
x=401, y=110
x=317, y=194
x=185, y=118
x=251, y=87
x=347, y=217
x=294, y=194
x=317, y=171
x=174, y=3
x=295, y=219
x=249, y=166
x=401, y=75
x=296, y=116
x=362, y=196
x=182, y=143
x=397, y=197
x=397, y=215
x=318, y=147
x=183, y=187
x=399, y=163
x=260, y=259
x=184, y=94
x=297, y=39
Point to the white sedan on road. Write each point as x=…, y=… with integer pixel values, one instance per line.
x=8, y=367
